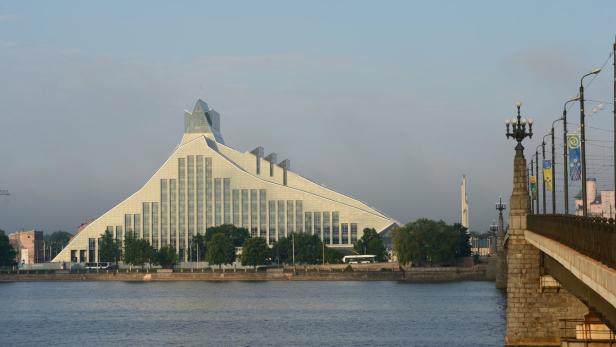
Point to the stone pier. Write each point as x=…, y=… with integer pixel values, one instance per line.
x=533, y=310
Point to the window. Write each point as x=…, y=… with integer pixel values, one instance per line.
x=308, y=223
x=353, y=232
x=128, y=224
x=326, y=228
x=155, y=225
x=119, y=234
x=208, y=192
x=91, y=250
x=137, y=225
x=200, y=193
x=290, y=223
x=164, y=230
x=245, y=209
x=82, y=256
x=281, y=228
x=146, y=221
x=345, y=233
x=172, y=212
x=336, y=227
x=262, y=212
x=191, y=197
x=73, y=256
x=236, y=207
x=271, y=232
x=182, y=201
x=227, y=199
x=254, y=209
x=317, y=225
x=299, y=216
x=217, y=201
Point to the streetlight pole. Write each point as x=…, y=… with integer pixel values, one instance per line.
x=565, y=164
x=532, y=196
x=553, y=170
x=529, y=190
x=583, y=140
x=543, y=172
x=537, y=179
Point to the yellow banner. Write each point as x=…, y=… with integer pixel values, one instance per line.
x=547, y=175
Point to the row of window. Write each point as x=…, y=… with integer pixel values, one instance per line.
x=196, y=201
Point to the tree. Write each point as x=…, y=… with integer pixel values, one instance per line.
x=110, y=249
x=308, y=249
x=235, y=234
x=166, y=257
x=426, y=241
x=198, y=247
x=56, y=241
x=371, y=243
x=137, y=251
x=464, y=245
x=7, y=253
x=332, y=256
x=220, y=250
x=255, y=251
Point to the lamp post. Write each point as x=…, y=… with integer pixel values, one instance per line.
x=516, y=129
x=553, y=169
x=543, y=173
x=500, y=232
x=537, y=179
x=583, y=140
x=532, y=173
x=529, y=190
x=565, y=165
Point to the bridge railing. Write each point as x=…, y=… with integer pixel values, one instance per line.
x=591, y=236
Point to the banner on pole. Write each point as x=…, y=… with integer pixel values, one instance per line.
x=533, y=187
x=547, y=174
x=575, y=165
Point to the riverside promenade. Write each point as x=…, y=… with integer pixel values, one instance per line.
x=385, y=272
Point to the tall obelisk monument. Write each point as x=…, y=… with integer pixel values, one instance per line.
x=463, y=204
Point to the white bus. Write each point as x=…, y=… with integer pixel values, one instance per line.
x=359, y=259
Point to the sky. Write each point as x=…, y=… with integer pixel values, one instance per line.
x=390, y=102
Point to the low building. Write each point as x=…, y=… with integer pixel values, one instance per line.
x=29, y=246
x=599, y=205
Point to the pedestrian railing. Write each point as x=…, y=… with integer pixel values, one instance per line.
x=591, y=236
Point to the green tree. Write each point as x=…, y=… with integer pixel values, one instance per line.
x=7, y=253
x=56, y=241
x=198, y=248
x=235, y=234
x=166, y=257
x=371, y=243
x=431, y=242
x=332, y=256
x=308, y=249
x=255, y=251
x=110, y=250
x=137, y=251
x=464, y=245
x=220, y=250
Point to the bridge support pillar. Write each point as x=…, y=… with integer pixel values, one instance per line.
x=533, y=313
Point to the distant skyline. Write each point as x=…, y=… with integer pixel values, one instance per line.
x=406, y=96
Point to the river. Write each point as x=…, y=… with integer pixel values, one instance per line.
x=280, y=313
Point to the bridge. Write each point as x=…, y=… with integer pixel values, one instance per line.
x=559, y=272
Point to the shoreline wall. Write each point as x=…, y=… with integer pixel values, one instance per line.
x=418, y=275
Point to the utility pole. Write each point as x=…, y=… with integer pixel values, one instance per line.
x=614, y=107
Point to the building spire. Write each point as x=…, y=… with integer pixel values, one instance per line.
x=464, y=204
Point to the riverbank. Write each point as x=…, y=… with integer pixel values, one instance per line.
x=429, y=274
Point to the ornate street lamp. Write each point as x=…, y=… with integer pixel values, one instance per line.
x=516, y=129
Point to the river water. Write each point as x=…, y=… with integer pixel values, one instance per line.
x=251, y=314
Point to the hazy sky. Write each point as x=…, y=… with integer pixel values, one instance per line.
x=389, y=102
